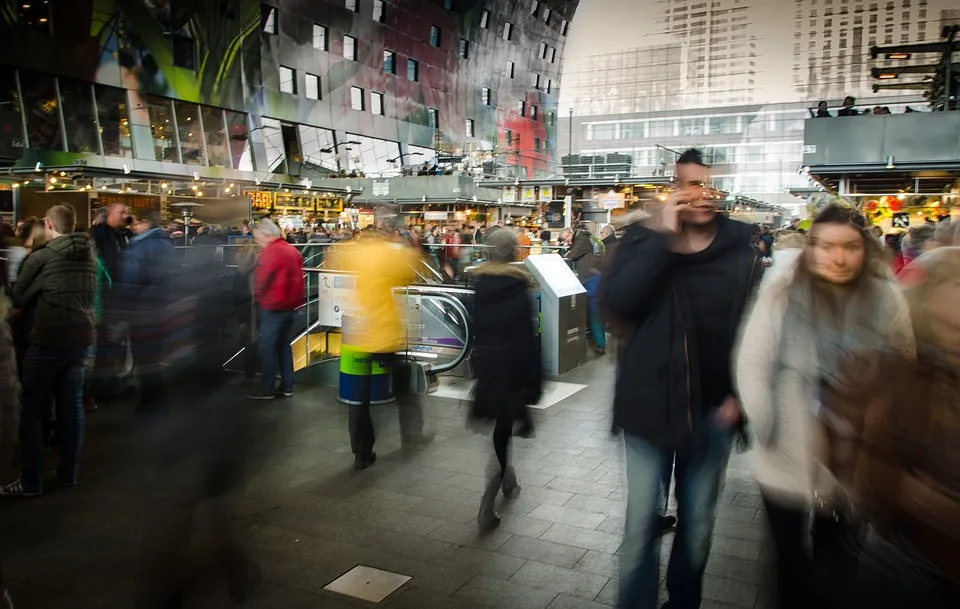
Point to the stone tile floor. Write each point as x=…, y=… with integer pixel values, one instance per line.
x=308, y=517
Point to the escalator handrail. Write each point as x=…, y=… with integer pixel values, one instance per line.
x=458, y=307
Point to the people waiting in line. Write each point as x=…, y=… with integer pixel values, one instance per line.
x=60, y=281
x=847, y=108
x=837, y=297
x=279, y=290
x=507, y=362
x=678, y=284
x=822, y=111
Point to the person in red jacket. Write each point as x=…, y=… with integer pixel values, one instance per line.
x=279, y=290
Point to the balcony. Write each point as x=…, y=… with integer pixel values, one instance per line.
x=916, y=141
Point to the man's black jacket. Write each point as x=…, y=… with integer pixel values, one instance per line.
x=657, y=387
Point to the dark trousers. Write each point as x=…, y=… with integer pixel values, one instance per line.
x=790, y=528
x=276, y=331
x=362, y=433
x=56, y=373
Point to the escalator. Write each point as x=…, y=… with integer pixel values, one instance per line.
x=435, y=320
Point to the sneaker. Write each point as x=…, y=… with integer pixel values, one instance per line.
x=61, y=482
x=16, y=490
x=363, y=463
x=260, y=396
x=285, y=394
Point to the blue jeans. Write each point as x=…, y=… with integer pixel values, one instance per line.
x=592, y=285
x=57, y=373
x=699, y=470
x=276, y=329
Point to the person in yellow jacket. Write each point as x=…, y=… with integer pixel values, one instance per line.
x=372, y=324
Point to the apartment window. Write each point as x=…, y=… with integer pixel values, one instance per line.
x=413, y=70
x=536, y=144
x=464, y=48
x=320, y=37
x=184, y=52
x=549, y=85
x=522, y=108
x=268, y=19
x=553, y=55
x=551, y=118
x=534, y=111
x=507, y=30
x=433, y=118
x=546, y=15
x=353, y=5
x=312, y=87
x=389, y=62
x=536, y=81
x=434, y=36
x=485, y=96
x=485, y=19
x=508, y=135
x=534, y=8
x=356, y=98
x=379, y=12
x=543, y=50
x=469, y=125
x=350, y=48
x=510, y=69
x=563, y=27
x=288, y=80
x=376, y=103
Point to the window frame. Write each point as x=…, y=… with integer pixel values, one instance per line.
x=353, y=39
x=376, y=99
x=306, y=86
x=324, y=32
x=269, y=14
x=382, y=6
x=292, y=80
x=433, y=116
x=511, y=68
x=464, y=49
x=507, y=31
x=485, y=19
x=415, y=64
x=357, y=90
x=393, y=61
x=469, y=127
x=436, y=36
x=485, y=96
x=352, y=5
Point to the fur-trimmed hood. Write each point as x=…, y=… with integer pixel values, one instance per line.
x=499, y=269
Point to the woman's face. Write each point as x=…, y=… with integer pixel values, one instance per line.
x=836, y=252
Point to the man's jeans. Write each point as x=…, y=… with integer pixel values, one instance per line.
x=592, y=285
x=57, y=373
x=699, y=470
x=276, y=330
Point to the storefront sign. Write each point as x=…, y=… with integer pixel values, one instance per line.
x=286, y=199
x=131, y=201
x=435, y=216
x=611, y=200
x=261, y=200
x=546, y=193
x=331, y=205
x=510, y=194
x=381, y=188
x=528, y=194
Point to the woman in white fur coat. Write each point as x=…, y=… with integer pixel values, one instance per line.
x=837, y=297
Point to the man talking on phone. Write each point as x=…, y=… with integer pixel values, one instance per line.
x=679, y=283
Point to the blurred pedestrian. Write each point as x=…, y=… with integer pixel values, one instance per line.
x=678, y=285
x=60, y=279
x=506, y=361
x=586, y=263
x=374, y=328
x=145, y=292
x=894, y=431
x=278, y=290
x=838, y=299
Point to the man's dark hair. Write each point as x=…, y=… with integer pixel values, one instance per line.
x=151, y=217
x=691, y=156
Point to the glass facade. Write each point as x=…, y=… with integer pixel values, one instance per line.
x=79, y=117
x=372, y=156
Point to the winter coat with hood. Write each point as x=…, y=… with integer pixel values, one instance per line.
x=60, y=279
x=657, y=393
x=505, y=353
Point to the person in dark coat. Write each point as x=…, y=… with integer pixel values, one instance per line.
x=145, y=291
x=507, y=361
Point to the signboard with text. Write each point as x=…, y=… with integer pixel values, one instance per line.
x=510, y=194
x=330, y=205
x=546, y=193
x=131, y=201
x=528, y=194
x=261, y=200
x=289, y=199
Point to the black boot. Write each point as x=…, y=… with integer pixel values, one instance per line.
x=487, y=517
x=511, y=488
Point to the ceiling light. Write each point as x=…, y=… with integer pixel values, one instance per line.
x=15, y=185
x=887, y=75
x=126, y=168
x=227, y=189
x=53, y=180
x=163, y=184
x=898, y=55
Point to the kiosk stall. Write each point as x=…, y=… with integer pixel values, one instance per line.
x=563, y=310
